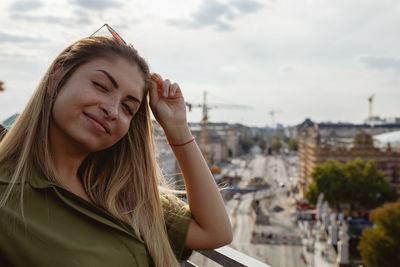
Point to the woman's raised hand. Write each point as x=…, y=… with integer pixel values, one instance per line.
x=167, y=103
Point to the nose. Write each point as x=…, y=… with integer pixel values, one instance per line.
x=110, y=110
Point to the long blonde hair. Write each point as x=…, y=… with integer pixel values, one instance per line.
x=125, y=178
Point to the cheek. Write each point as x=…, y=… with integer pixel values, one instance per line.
x=65, y=108
x=122, y=129
x=58, y=113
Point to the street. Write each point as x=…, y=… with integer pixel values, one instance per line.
x=276, y=241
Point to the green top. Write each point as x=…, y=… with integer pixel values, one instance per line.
x=62, y=229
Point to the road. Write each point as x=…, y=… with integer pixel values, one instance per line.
x=276, y=170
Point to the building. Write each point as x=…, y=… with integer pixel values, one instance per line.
x=392, y=138
x=221, y=141
x=316, y=146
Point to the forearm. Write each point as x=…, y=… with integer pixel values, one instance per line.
x=205, y=201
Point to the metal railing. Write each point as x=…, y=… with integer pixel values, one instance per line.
x=227, y=256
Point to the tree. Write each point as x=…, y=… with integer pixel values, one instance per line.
x=312, y=193
x=1, y=86
x=293, y=145
x=356, y=182
x=380, y=246
x=367, y=186
x=263, y=145
x=329, y=179
x=276, y=145
x=246, y=143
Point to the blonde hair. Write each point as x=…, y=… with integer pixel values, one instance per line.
x=125, y=178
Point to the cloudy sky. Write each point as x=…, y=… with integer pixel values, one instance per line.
x=317, y=59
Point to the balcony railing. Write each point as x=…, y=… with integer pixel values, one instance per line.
x=227, y=256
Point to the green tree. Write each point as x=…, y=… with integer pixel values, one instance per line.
x=380, y=246
x=263, y=145
x=246, y=143
x=293, y=145
x=329, y=179
x=356, y=182
x=312, y=193
x=367, y=187
x=276, y=145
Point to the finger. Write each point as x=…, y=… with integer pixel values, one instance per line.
x=154, y=92
x=157, y=79
x=165, y=87
x=173, y=89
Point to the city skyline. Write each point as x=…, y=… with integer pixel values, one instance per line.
x=303, y=59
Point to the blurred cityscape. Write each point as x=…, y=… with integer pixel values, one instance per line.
x=267, y=176
x=266, y=173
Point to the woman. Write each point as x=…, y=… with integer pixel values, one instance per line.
x=78, y=178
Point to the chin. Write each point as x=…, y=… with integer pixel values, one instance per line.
x=91, y=146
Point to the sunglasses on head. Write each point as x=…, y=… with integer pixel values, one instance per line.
x=112, y=31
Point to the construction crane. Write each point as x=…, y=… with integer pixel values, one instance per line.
x=207, y=153
x=371, y=119
x=272, y=113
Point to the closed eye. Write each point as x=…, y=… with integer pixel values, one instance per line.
x=100, y=85
x=128, y=108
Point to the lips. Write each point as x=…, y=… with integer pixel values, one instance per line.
x=98, y=123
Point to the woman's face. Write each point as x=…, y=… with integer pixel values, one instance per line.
x=94, y=109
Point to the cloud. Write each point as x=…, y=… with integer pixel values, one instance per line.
x=379, y=62
x=82, y=17
x=25, y=5
x=217, y=14
x=287, y=68
x=79, y=17
x=211, y=12
x=11, y=38
x=47, y=19
x=98, y=5
x=248, y=6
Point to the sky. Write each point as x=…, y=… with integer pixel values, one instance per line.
x=317, y=59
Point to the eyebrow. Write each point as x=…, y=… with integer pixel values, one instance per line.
x=115, y=84
x=111, y=78
x=133, y=99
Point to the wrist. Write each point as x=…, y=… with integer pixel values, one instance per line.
x=178, y=135
x=182, y=144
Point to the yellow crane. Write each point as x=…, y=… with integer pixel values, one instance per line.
x=205, y=148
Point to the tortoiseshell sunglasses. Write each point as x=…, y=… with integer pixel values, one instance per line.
x=112, y=31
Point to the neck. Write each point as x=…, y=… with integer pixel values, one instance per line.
x=67, y=156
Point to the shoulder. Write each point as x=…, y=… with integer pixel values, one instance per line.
x=171, y=202
x=176, y=213
x=174, y=209
x=177, y=218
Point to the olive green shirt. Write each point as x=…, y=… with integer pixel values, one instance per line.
x=62, y=229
